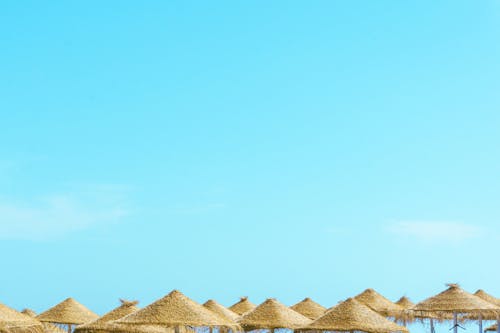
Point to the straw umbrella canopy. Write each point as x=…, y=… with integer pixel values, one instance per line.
x=68, y=312
x=380, y=304
x=455, y=300
x=176, y=311
x=47, y=327
x=221, y=310
x=126, y=308
x=29, y=313
x=309, y=308
x=271, y=315
x=15, y=322
x=242, y=306
x=350, y=316
x=405, y=303
x=487, y=297
x=491, y=299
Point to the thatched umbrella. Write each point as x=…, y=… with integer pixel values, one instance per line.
x=491, y=299
x=47, y=327
x=173, y=312
x=309, y=308
x=456, y=301
x=242, y=306
x=405, y=303
x=13, y=321
x=351, y=316
x=221, y=310
x=68, y=312
x=408, y=316
x=29, y=312
x=98, y=325
x=487, y=297
x=380, y=304
x=271, y=315
x=487, y=316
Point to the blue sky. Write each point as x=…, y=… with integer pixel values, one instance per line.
x=270, y=149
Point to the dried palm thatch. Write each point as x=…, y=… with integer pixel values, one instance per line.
x=3, y=329
x=220, y=310
x=410, y=316
x=29, y=313
x=487, y=297
x=309, y=308
x=68, y=312
x=51, y=328
x=113, y=327
x=242, y=306
x=16, y=322
x=47, y=327
x=126, y=308
x=455, y=300
x=174, y=310
x=270, y=315
x=380, y=304
x=405, y=303
x=352, y=315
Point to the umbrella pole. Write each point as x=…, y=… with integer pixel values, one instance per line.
x=480, y=323
x=498, y=325
x=455, y=323
x=432, y=325
x=69, y=328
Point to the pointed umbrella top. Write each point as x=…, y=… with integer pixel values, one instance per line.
x=126, y=308
x=272, y=314
x=406, y=316
x=309, y=308
x=16, y=322
x=352, y=315
x=29, y=312
x=379, y=303
x=487, y=297
x=242, y=306
x=405, y=303
x=455, y=300
x=48, y=327
x=220, y=310
x=68, y=311
x=175, y=309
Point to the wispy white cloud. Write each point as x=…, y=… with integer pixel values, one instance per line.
x=59, y=214
x=431, y=231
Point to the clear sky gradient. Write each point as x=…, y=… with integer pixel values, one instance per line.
x=263, y=148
